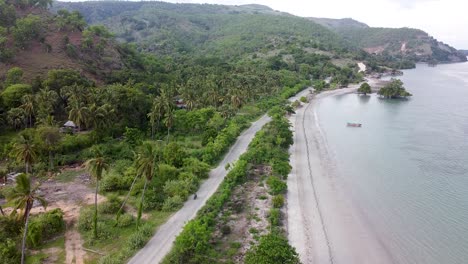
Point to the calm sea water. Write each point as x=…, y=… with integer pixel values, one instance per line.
x=407, y=167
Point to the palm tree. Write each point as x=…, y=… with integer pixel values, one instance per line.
x=25, y=151
x=95, y=167
x=28, y=107
x=145, y=166
x=79, y=114
x=23, y=197
x=101, y=116
x=46, y=99
x=169, y=122
x=51, y=136
x=157, y=111
x=16, y=117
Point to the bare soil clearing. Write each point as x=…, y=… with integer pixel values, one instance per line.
x=69, y=197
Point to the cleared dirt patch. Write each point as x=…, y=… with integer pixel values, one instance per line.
x=244, y=219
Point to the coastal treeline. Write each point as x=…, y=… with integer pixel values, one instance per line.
x=142, y=130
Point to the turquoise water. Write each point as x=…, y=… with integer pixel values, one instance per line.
x=407, y=167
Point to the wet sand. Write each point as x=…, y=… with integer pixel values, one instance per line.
x=324, y=225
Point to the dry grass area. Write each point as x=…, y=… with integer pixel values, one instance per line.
x=244, y=219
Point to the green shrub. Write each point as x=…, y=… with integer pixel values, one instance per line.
x=12, y=95
x=177, y=188
x=274, y=217
x=9, y=253
x=71, y=143
x=174, y=154
x=173, y=204
x=278, y=201
x=85, y=221
x=276, y=185
x=272, y=249
x=71, y=50
x=197, y=167
x=105, y=231
x=281, y=168
x=304, y=99
x=225, y=230
x=136, y=241
x=45, y=226
x=126, y=220
x=111, y=206
x=296, y=104
x=139, y=239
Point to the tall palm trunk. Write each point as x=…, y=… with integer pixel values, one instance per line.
x=51, y=161
x=25, y=232
x=125, y=200
x=1, y=211
x=140, y=208
x=26, y=164
x=168, y=134
x=95, y=209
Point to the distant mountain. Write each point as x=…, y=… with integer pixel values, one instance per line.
x=341, y=24
x=404, y=43
x=464, y=52
x=37, y=41
x=166, y=28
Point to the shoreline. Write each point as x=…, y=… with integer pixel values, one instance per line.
x=324, y=225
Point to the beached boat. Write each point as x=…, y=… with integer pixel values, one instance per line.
x=354, y=125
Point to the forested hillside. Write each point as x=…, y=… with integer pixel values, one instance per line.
x=227, y=31
x=36, y=41
x=403, y=43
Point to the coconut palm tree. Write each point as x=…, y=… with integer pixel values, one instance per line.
x=169, y=122
x=28, y=107
x=23, y=197
x=16, y=117
x=96, y=166
x=25, y=151
x=157, y=112
x=51, y=136
x=145, y=166
x=79, y=114
x=46, y=99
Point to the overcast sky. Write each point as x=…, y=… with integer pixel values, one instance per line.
x=446, y=20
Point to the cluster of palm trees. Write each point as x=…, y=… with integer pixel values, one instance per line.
x=83, y=104
x=38, y=107
x=146, y=165
x=86, y=109
x=162, y=109
x=24, y=194
x=232, y=89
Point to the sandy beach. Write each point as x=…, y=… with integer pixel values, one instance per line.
x=323, y=224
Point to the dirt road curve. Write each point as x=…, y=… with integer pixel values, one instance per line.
x=323, y=224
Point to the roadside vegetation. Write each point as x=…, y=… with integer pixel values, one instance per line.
x=140, y=138
x=243, y=221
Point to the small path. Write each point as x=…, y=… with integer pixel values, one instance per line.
x=74, y=247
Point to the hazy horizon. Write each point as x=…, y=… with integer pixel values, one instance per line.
x=444, y=20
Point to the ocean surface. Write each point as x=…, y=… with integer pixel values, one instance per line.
x=406, y=169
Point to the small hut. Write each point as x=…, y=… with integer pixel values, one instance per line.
x=69, y=127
